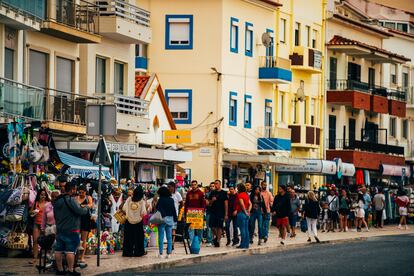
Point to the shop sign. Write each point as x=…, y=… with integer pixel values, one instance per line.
x=195, y=216
x=177, y=136
x=121, y=148
x=205, y=152
x=314, y=166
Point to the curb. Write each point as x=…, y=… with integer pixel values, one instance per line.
x=233, y=253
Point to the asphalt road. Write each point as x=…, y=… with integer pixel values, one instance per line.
x=390, y=255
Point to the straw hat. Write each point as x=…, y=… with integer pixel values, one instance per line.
x=113, y=180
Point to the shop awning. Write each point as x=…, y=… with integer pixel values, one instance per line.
x=348, y=169
x=311, y=166
x=80, y=166
x=392, y=170
x=263, y=159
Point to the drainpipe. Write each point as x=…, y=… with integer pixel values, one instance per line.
x=322, y=89
x=25, y=80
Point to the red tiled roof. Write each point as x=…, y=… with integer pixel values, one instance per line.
x=339, y=40
x=140, y=83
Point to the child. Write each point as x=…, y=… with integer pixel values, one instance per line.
x=323, y=216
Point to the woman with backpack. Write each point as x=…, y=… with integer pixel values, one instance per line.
x=311, y=211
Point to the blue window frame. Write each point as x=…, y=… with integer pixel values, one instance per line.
x=247, y=111
x=270, y=49
x=179, y=32
x=180, y=102
x=233, y=109
x=234, y=35
x=248, y=39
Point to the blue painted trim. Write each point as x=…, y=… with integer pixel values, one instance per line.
x=190, y=104
x=275, y=73
x=233, y=123
x=248, y=53
x=236, y=49
x=141, y=63
x=168, y=46
x=274, y=144
x=271, y=113
x=270, y=53
x=247, y=124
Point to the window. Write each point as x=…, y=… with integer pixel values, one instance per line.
x=100, y=78
x=306, y=38
x=312, y=111
x=38, y=64
x=270, y=49
x=179, y=32
x=405, y=129
x=268, y=117
x=180, y=105
x=233, y=109
x=118, y=78
x=247, y=111
x=8, y=63
x=393, y=127
x=402, y=27
x=249, y=39
x=390, y=25
x=393, y=73
x=280, y=107
x=305, y=111
x=315, y=39
x=282, y=30
x=64, y=74
x=297, y=34
x=234, y=35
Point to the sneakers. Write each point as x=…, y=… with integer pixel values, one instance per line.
x=260, y=242
x=168, y=256
x=209, y=244
x=317, y=240
x=216, y=244
x=228, y=242
x=399, y=226
x=265, y=240
x=160, y=256
x=366, y=229
x=74, y=273
x=282, y=242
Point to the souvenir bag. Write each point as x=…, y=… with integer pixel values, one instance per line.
x=35, y=151
x=156, y=218
x=16, y=195
x=120, y=216
x=15, y=213
x=17, y=239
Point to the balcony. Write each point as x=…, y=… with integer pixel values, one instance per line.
x=397, y=102
x=124, y=22
x=409, y=92
x=65, y=111
x=132, y=113
x=305, y=136
x=20, y=100
x=275, y=70
x=141, y=64
x=73, y=21
x=364, y=154
x=22, y=15
x=273, y=139
x=306, y=59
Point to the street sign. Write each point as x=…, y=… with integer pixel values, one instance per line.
x=101, y=156
x=101, y=119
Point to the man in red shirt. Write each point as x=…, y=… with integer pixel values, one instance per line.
x=195, y=199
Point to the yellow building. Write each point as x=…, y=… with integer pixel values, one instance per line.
x=218, y=66
x=300, y=104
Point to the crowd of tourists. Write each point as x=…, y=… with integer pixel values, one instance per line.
x=242, y=214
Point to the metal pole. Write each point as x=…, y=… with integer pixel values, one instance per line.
x=98, y=230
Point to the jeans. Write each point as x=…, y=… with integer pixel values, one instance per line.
x=265, y=225
x=232, y=220
x=197, y=232
x=312, y=230
x=243, y=224
x=208, y=231
x=378, y=217
x=167, y=227
x=256, y=215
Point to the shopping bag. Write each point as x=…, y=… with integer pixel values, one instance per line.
x=303, y=225
x=120, y=216
x=15, y=213
x=156, y=218
x=17, y=239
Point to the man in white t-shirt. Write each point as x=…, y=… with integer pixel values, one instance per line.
x=379, y=204
x=178, y=203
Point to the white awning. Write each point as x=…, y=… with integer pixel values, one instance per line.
x=311, y=166
x=393, y=170
x=269, y=159
x=348, y=169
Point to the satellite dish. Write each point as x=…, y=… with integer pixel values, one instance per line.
x=300, y=93
x=266, y=39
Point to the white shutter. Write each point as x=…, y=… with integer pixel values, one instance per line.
x=249, y=40
x=179, y=33
x=247, y=112
x=37, y=69
x=64, y=73
x=178, y=104
x=233, y=36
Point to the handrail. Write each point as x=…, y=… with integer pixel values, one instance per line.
x=125, y=10
x=274, y=62
x=126, y=105
x=353, y=144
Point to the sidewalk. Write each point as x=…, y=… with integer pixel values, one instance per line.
x=116, y=262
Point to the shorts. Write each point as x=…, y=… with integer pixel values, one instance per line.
x=174, y=227
x=215, y=221
x=67, y=242
x=293, y=218
x=282, y=222
x=402, y=211
x=344, y=212
x=333, y=215
x=360, y=213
